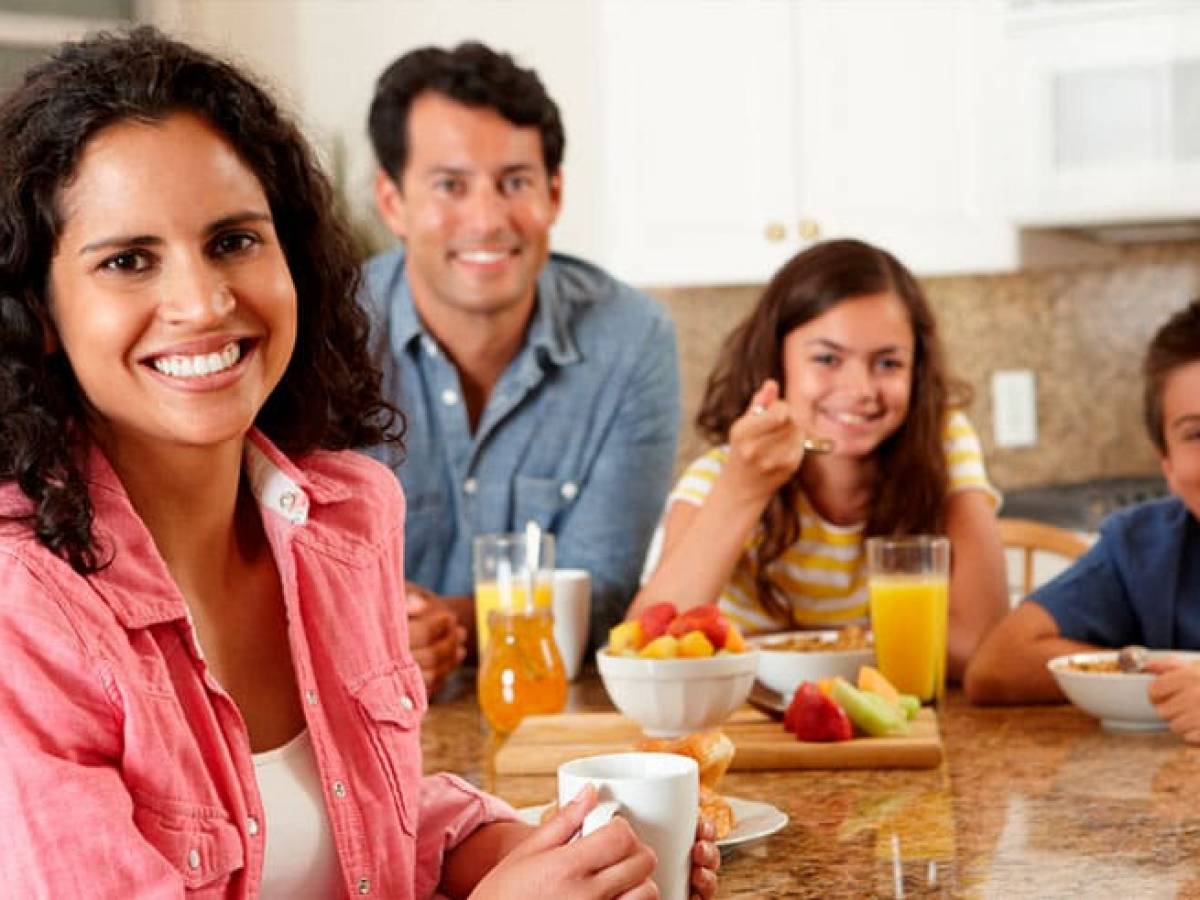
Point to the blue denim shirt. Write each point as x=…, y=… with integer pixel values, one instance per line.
x=1138, y=584
x=578, y=434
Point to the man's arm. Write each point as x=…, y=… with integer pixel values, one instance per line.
x=1010, y=666
x=440, y=631
x=609, y=526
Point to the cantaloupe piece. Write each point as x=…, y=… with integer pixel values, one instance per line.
x=735, y=642
x=872, y=680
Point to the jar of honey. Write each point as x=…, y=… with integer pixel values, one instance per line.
x=522, y=672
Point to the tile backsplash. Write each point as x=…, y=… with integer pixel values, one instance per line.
x=1080, y=328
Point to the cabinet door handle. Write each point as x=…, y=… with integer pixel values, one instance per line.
x=808, y=229
x=776, y=232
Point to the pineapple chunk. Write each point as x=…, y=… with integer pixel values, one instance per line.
x=695, y=643
x=626, y=636
x=664, y=647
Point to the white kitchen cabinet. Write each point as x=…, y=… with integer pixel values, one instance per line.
x=1106, y=97
x=738, y=132
x=699, y=158
x=707, y=140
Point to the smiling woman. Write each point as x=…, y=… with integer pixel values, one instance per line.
x=169, y=290
x=207, y=686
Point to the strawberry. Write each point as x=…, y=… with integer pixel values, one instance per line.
x=655, y=619
x=706, y=618
x=812, y=716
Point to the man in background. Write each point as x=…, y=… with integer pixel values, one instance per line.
x=536, y=386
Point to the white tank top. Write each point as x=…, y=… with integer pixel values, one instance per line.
x=301, y=860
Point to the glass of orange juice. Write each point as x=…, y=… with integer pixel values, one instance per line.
x=504, y=580
x=908, y=582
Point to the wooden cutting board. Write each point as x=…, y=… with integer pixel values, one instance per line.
x=541, y=743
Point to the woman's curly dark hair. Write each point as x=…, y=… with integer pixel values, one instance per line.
x=913, y=472
x=329, y=396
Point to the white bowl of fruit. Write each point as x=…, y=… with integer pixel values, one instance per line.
x=674, y=673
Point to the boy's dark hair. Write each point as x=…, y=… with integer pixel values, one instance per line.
x=471, y=74
x=329, y=396
x=1174, y=345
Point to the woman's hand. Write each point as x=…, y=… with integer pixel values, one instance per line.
x=706, y=860
x=1176, y=695
x=609, y=862
x=766, y=444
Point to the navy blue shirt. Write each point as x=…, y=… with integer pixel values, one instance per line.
x=1139, y=584
x=578, y=434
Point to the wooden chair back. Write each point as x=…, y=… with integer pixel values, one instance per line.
x=1037, y=537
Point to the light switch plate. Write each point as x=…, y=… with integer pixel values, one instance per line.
x=1014, y=408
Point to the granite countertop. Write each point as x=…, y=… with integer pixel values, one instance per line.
x=1030, y=802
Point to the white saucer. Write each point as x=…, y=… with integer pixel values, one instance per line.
x=752, y=820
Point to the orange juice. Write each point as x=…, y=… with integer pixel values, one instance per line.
x=909, y=617
x=507, y=596
x=522, y=672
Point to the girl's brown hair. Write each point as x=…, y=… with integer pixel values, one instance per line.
x=913, y=474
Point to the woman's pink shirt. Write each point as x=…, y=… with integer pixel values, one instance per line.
x=125, y=769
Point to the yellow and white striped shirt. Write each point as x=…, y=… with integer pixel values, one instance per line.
x=822, y=574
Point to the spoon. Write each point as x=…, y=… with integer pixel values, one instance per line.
x=1132, y=659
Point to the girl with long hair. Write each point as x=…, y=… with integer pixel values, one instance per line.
x=842, y=350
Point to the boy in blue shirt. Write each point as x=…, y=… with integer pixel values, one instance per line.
x=1140, y=583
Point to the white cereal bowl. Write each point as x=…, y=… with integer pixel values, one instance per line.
x=785, y=670
x=674, y=697
x=1118, y=699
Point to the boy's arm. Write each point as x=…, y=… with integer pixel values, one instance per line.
x=1010, y=665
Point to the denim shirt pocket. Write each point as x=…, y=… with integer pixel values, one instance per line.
x=200, y=841
x=391, y=705
x=540, y=499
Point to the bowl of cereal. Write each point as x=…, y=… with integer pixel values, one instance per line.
x=785, y=660
x=1095, y=683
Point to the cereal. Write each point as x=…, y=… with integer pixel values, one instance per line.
x=851, y=637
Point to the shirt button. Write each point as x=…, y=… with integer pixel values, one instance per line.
x=288, y=500
x=364, y=885
x=339, y=790
x=470, y=486
x=449, y=397
x=252, y=825
x=311, y=696
x=569, y=490
x=430, y=345
x=193, y=859
x=406, y=702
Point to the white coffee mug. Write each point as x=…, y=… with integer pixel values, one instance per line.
x=657, y=793
x=572, y=608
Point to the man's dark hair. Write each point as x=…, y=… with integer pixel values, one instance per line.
x=1175, y=345
x=471, y=74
